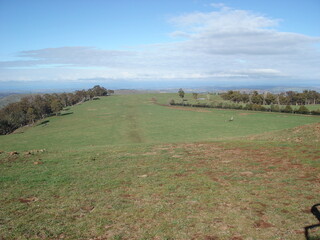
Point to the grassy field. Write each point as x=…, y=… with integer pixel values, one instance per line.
x=126, y=167
x=130, y=119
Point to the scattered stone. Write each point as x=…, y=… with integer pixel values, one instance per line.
x=87, y=208
x=1, y=152
x=36, y=151
x=31, y=152
x=13, y=153
x=37, y=162
x=143, y=176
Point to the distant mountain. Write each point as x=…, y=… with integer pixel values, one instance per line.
x=8, y=98
x=4, y=94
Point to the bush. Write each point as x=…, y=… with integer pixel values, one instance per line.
x=303, y=110
x=172, y=102
x=288, y=109
x=275, y=108
x=315, y=112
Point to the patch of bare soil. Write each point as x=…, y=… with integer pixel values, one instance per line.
x=262, y=224
x=28, y=200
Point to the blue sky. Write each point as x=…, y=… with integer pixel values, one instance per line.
x=197, y=42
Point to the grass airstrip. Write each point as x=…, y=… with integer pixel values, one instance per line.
x=131, y=167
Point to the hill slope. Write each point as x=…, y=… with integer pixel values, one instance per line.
x=125, y=168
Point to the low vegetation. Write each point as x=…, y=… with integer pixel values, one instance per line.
x=256, y=102
x=133, y=167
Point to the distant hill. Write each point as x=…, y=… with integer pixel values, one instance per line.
x=133, y=91
x=7, y=99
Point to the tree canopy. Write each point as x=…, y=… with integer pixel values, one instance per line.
x=32, y=108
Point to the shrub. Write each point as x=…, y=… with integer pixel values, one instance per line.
x=248, y=106
x=303, y=110
x=288, y=109
x=315, y=112
x=275, y=108
x=257, y=107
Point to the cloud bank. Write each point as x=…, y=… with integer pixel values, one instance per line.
x=223, y=45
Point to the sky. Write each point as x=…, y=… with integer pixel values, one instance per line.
x=167, y=43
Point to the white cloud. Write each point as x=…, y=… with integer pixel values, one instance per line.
x=225, y=20
x=222, y=44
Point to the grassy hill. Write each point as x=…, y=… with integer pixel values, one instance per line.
x=130, y=119
x=128, y=167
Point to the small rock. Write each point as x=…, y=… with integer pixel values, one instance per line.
x=107, y=226
x=143, y=176
x=13, y=153
x=87, y=208
x=37, y=162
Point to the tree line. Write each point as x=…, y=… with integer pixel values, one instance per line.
x=32, y=108
x=258, y=102
x=285, y=98
x=249, y=106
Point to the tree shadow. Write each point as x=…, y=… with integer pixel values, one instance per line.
x=65, y=114
x=44, y=122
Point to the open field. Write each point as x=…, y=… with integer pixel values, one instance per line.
x=124, y=167
x=130, y=119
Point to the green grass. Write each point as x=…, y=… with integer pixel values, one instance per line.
x=126, y=168
x=130, y=119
